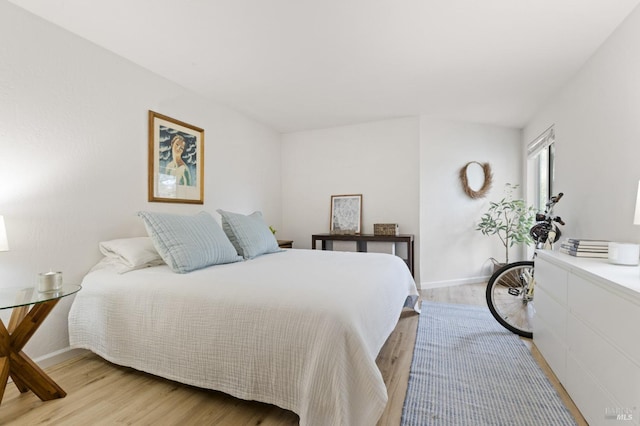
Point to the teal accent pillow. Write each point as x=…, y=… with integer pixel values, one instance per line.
x=250, y=235
x=187, y=243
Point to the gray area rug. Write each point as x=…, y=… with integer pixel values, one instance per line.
x=468, y=370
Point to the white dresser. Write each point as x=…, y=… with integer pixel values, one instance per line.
x=587, y=327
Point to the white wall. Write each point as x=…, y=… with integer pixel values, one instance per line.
x=597, y=126
x=378, y=160
x=407, y=170
x=453, y=252
x=73, y=140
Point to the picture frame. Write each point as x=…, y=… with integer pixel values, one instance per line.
x=346, y=214
x=176, y=160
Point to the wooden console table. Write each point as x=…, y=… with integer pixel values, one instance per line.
x=362, y=240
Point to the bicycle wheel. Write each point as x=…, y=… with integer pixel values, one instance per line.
x=508, y=297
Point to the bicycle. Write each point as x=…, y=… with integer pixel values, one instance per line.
x=510, y=289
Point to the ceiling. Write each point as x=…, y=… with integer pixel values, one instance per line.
x=304, y=64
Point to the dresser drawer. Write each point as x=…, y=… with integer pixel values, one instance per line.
x=554, y=314
x=613, y=317
x=607, y=365
x=550, y=331
x=590, y=398
x=552, y=279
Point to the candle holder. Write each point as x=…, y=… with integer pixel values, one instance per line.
x=49, y=281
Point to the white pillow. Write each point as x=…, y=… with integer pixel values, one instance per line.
x=128, y=254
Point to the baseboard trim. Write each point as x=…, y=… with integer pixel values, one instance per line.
x=55, y=358
x=450, y=283
x=59, y=356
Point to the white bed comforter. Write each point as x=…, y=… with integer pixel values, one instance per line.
x=300, y=329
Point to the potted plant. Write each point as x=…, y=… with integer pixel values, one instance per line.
x=509, y=219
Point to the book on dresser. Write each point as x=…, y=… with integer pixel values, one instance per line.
x=587, y=241
x=578, y=253
x=585, y=248
x=576, y=242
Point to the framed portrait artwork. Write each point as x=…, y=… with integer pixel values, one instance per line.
x=176, y=161
x=346, y=214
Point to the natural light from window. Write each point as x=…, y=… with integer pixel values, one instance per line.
x=540, y=156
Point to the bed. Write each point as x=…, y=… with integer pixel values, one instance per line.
x=299, y=329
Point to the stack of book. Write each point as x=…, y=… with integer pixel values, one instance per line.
x=585, y=248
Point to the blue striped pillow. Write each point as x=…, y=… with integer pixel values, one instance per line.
x=187, y=243
x=250, y=235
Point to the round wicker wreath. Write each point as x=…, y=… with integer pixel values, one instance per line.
x=486, y=185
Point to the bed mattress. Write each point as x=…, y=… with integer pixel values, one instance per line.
x=300, y=329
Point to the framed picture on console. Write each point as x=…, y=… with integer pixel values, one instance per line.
x=176, y=160
x=346, y=214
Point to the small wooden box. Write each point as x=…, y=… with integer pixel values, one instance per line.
x=386, y=229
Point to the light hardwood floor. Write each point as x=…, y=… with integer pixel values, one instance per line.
x=100, y=393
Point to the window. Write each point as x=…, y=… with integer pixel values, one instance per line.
x=540, y=154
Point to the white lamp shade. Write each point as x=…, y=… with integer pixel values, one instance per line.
x=4, y=244
x=636, y=219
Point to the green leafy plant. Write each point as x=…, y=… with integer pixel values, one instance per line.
x=509, y=219
x=273, y=230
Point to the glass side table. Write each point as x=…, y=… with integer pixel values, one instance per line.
x=30, y=309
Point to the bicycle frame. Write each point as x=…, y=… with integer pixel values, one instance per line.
x=545, y=239
x=510, y=289
x=531, y=280
x=544, y=232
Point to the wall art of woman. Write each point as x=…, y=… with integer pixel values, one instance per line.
x=177, y=167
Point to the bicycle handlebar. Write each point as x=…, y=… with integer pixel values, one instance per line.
x=554, y=200
x=548, y=214
x=541, y=231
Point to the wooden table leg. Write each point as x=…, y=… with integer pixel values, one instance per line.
x=13, y=362
x=19, y=384
x=17, y=315
x=5, y=342
x=34, y=378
